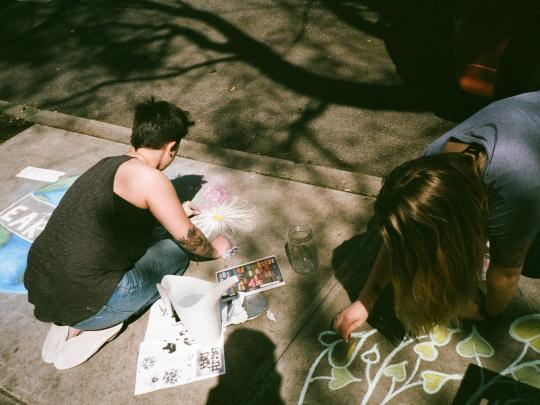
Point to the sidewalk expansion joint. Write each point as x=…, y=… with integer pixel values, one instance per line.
x=8, y=399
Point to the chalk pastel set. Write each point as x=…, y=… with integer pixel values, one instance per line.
x=253, y=277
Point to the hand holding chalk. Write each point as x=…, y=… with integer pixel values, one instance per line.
x=221, y=244
x=350, y=319
x=190, y=209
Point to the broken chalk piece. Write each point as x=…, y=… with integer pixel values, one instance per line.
x=270, y=315
x=36, y=173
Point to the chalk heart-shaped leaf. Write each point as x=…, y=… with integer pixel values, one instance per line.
x=343, y=352
x=396, y=371
x=441, y=335
x=527, y=329
x=426, y=351
x=528, y=375
x=433, y=380
x=474, y=345
x=340, y=378
x=328, y=338
x=372, y=355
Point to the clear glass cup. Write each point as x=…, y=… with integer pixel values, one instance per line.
x=302, y=249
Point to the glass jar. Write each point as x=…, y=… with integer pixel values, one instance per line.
x=301, y=249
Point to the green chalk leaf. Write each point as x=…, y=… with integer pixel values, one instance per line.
x=340, y=378
x=426, y=351
x=529, y=375
x=527, y=330
x=372, y=355
x=396, y=371
x=474, y=345
x=441, y=335
x=433, y=381
x=343, y=352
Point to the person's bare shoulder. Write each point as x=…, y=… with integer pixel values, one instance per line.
x=139, y=173
x=135, y=181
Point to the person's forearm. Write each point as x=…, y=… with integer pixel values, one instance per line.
x=501, y=285
x=377, y=279
x=195, y=242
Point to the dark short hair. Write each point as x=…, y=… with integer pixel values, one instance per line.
x=155, y=123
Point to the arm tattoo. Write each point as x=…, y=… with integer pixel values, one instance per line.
x=510, y=257
x=196, y=243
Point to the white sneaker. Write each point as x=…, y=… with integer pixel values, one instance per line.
x=56, y=337
x=80, y=348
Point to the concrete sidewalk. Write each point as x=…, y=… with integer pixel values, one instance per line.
x=295, y=359
x=110, y=374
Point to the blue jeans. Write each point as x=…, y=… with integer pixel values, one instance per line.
x=137, y=288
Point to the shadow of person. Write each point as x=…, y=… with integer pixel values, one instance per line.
x=352, y=262
x=419, y=37
x=188, y=186
x=353, y=259
x=245, y=351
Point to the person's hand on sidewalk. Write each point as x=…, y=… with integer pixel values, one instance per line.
x=190, y=209
x=221, y=244
x=349, y=319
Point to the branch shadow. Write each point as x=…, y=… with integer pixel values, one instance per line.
x=140, y=43
x=126, y=48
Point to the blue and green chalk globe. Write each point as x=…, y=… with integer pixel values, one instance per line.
x=14, y=249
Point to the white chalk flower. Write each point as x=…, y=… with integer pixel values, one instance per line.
x=226, y=218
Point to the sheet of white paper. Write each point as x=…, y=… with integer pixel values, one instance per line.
x=36, y=173
x=163, y=364
x=169, y=357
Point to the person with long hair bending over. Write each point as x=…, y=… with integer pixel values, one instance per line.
x=477, y=185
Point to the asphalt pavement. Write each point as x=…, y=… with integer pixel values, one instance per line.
x=312, y=82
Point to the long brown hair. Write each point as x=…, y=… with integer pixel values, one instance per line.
x=432, y=213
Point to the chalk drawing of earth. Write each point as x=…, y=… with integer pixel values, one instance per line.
x=14, y=248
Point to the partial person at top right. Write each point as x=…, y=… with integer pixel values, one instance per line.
x=478, y=182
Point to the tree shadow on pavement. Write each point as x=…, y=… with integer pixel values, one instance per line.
x=419, y=38
x=11, y=126
x=263, y=89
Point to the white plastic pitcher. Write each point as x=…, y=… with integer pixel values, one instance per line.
x=197, y=304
